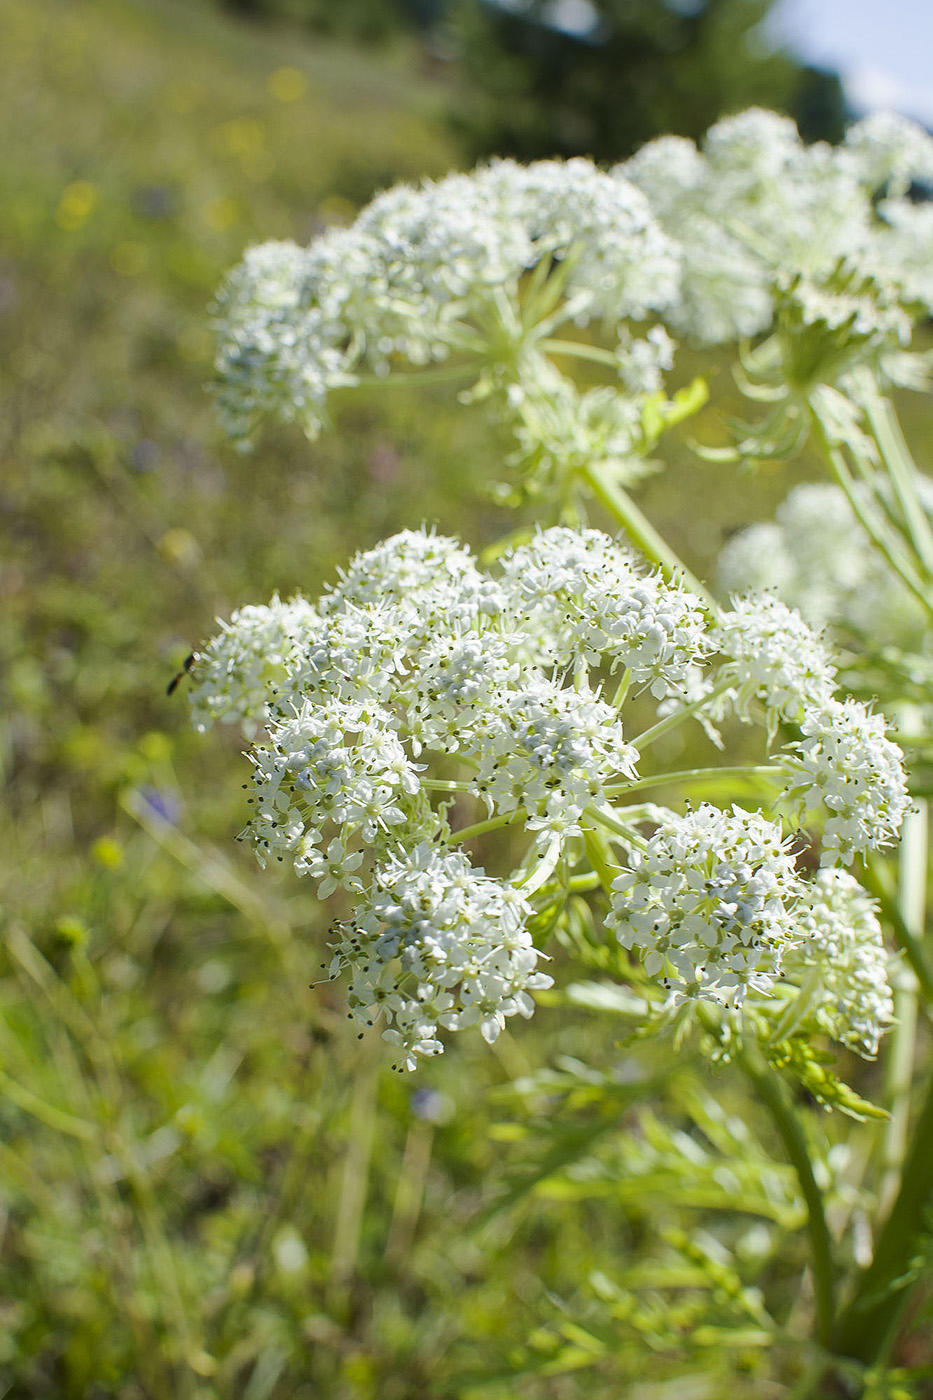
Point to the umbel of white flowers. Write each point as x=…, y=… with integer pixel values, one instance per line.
x=817, y=558
x=751, y=232
x=423, y=701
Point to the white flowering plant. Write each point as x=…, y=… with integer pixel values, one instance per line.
x=434, y=705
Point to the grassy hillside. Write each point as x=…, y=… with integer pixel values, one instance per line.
x=185, y=1129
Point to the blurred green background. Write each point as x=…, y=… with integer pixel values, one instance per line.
x=209, y=1187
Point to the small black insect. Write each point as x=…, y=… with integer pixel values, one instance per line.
x=180, y=675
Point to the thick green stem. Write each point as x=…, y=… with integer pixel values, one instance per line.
x=867, y=1326
x=773, y=1095
x=892, y=550
x=696, y=775
x=878, y=881
x=579, y=350
x=466, y=833
x=903, y=473
x=623, y=509
x=899, y=1061
x=584, y=883
x=600, y=857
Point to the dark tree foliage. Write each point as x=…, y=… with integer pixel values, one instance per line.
x=644, y=68
x=368, y=21
x=529, y=89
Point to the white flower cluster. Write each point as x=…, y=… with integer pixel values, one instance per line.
x=584, y=596
x=424, y=272
x=337, y=765
x=414, y=653
x=842, y=963
x=844, y=773
x=710, y=904
x=818, y=560
x=237, y=667
x=771, y=219
x=774, y=657
x=752, y=230
x=419, y=680
x=415, y=644
x=545, y=750
x=435, y=943
x=715, y=907
x=846, y=765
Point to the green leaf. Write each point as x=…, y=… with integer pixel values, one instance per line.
x=810, y=1067
x=660, y=413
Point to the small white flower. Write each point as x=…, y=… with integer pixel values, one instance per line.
x=233, y=675
x=586, y=595
x=710, y=905
x=550, y=750
x=848, y=773
x=437, y=944
x=842, y=945
x=335, y=868
x=773, y=656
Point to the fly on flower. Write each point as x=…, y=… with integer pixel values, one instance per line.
x=180, y=675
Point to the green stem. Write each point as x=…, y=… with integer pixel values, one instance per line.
x=903, y=473
x=899, y=1061
x=585, y=882
x=898, y=1078
x=695, y=775
x=548, y=283
x=878, y=881
x=567, y=312
x=354, y=1183
x=664, y=726
x=623, y=509
x=796, y=1008
x=773, y=1095
x=600, y=857
x=47, y=1113
x=622, y=690
x=579, y=350
x=466, y=833
x=613, y=822
x=891, y=550
x=867, y=1326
